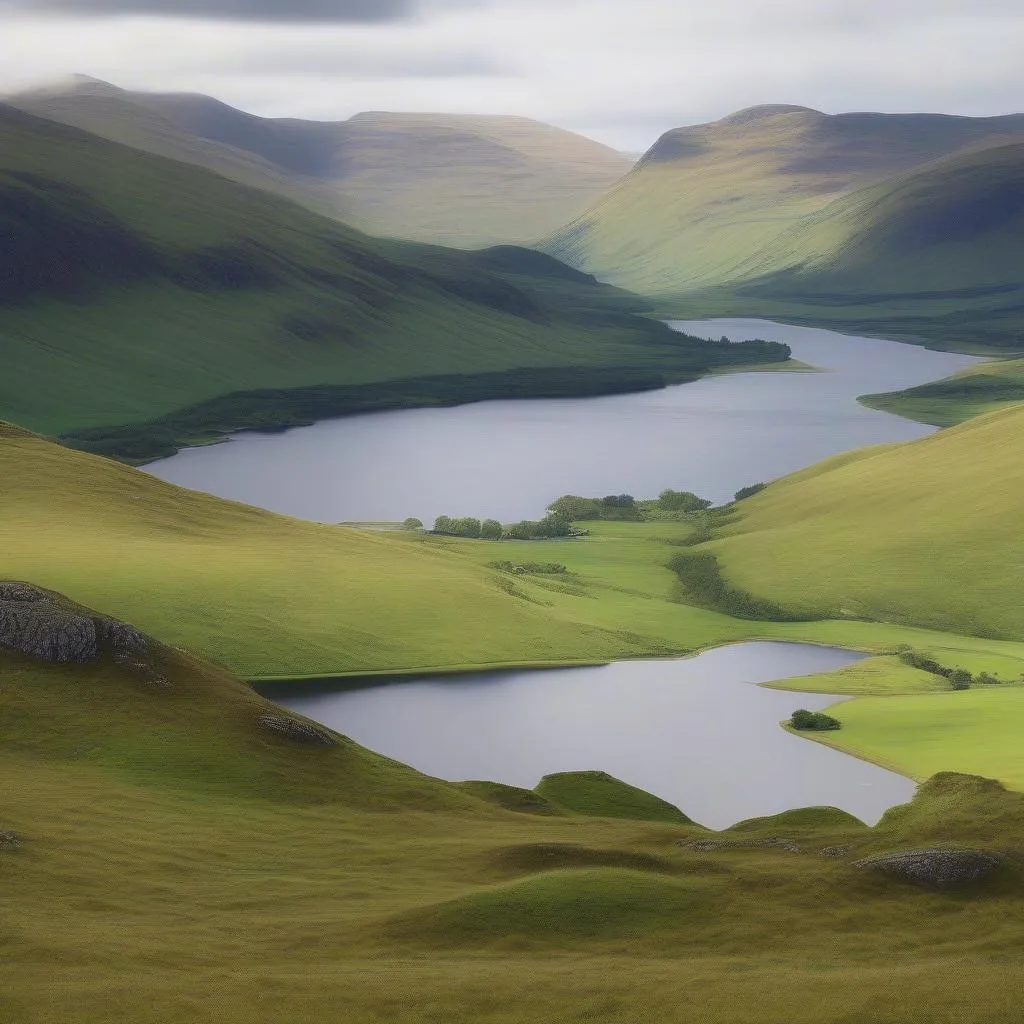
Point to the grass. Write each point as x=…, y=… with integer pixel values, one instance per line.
x=141, y=286
x=597, y=794
x=181, y=865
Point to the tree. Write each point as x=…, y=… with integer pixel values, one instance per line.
x=444, y=524
x=813, y=720
x=412, y=523
x=747, y=492
x=572, y=506
x=519, y=531
x=490, y=529
x=960, y=679
x=682, y=501
x=468, y=527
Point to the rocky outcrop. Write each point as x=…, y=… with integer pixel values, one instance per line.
x=711, y=845
x=937, y=869
x=40, y=625
x=835, y=851
x=9, y=841
x=293, y=729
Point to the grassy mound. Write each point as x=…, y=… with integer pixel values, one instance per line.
x=511, y=798
x=560, y=907
x=529, y=858
x=137, y=286
x=600, y=795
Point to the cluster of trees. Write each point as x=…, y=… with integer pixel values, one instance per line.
x=959, y=678
x=625, y=506
x=814, y=720
x=747, y=492
x=552, y=525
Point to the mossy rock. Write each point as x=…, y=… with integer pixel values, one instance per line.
x=600, y=795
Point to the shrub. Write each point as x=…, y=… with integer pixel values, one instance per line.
x=960, y=679
x=986, y=679
x=412, y=523
x=813, y=721
x=682, y=501
x=748, y=492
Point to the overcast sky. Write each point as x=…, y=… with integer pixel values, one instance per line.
x=622, y=71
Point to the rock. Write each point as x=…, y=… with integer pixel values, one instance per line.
x=9, y=841
x=40, y=628
x=20, y=592
x=774, y=843
x=835, y=851
x=126, y=643
x=293, y=729
x=938, y=869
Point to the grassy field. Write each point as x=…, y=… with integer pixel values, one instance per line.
x=146, y=285
x=461, y=180
x=181, y=864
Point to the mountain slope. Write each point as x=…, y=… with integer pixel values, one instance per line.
x=131, y=286
x=705, y=198
x=923, y=533
x=467, y=181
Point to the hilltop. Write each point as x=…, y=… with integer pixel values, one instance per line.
x=134, y=286
x=461, y=180
x=705, y=198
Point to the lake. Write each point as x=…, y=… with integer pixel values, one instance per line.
x=695, y=731
x=508, y=459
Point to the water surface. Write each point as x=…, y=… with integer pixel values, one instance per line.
x=695, y=731
x=509, y=459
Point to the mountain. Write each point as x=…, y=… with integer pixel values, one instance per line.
x=133, y=286
x=461, y=180
x=707, y=199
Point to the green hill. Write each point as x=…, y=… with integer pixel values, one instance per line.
x=707, y=197
x=466, y=181
x=133, y=286
x=920, y=533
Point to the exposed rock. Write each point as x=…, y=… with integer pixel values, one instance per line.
x=293, y=729
x=774, y=843
x=835, y=851
x=41, y=629
x=20, y=592
x=938, y=869
x=9, y=841
x=126, y=643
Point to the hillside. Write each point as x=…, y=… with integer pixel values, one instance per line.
x=465, y=181
x=921, y=533
x=264, y=594
x=133, y=286
x=706, y=197
x=184, y=860
x=939, y=250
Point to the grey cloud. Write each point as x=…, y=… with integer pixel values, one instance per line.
x=238, y=10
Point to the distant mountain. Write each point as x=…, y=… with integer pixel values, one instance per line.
x=467, y=181
x=706, y=198
x=134, y=288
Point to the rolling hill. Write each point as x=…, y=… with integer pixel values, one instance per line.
x=465, y=181
x=133, y=286
x=706, y=198
x=920, y=533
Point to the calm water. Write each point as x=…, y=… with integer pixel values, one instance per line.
x=695, y=731
x=509, y=459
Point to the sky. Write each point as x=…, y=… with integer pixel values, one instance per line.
x=621, y=71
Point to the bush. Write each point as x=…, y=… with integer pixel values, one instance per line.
x=412, y=523
x=814, y=721
x=986, y=679
x=960, y=679
x=748, y=492
x=682, y=501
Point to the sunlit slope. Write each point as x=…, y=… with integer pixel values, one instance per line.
x=265, y=595
x=941, y=248
x=923, y=533
x=461, y=180
x=134, y=285
x=705, y=198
